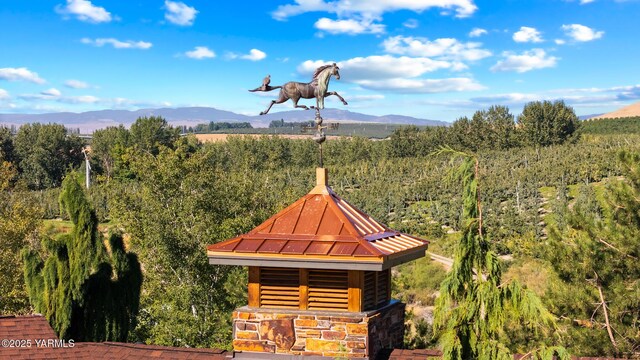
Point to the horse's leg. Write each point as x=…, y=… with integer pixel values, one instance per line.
x=281, y=98
x=336, y=94
x=295, y=103
x=268, y=108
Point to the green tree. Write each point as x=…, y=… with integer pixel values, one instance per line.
x=45, y=153
x=149, y=133
x=107, y=149
x=86, y=292
x=602, y=239
x=7, y=150
x=474, y=306
x=19, y=218
x=548, y=123
x=181, y=202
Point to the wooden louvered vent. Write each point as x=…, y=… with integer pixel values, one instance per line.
x=382, y=289
x=328, y=290
x=376, y=289
x=279, y=288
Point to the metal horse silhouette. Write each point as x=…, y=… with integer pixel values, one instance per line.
x=296, y=90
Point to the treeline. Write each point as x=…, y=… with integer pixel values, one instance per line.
x=289, y=124
x=540, y=124
x=629, y=125
x=216, y=126
x=41, y=153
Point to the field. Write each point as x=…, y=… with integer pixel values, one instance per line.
x=223, y=137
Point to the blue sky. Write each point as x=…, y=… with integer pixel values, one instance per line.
x=435, y=59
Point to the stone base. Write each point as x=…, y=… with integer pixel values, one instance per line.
x=261, y=333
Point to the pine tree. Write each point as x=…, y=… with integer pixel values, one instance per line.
x=602, y=237
x=474, y=305
x=86, y=292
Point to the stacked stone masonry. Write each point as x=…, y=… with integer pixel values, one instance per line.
x=318, y=333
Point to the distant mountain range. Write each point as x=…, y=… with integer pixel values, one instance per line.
x=92, y=120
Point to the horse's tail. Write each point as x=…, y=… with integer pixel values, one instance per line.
x=267, y=88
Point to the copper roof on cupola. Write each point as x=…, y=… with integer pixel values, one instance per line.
x=320, y=230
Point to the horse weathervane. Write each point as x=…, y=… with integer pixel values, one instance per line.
x=318, y=88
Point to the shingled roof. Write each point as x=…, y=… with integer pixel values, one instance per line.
x=320, y=230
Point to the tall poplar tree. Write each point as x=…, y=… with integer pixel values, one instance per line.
x=86, y=292
x=474, y=305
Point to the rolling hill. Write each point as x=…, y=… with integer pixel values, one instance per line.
x=627, y=111
x=92, y=120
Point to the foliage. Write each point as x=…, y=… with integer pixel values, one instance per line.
x=181, y=203
x=601, y=237
x=19, y=219
x=417, y=282
x=474, y=305
x=86, y=292
x=150, y=133
x=418, y=332
x=289, y=124
x=215, y=126
x=46, y=153
x=629, y=125
x=7, y=150
x=107, y=149
x=488, y=129
x=548, y=123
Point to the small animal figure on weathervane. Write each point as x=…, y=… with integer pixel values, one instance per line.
x=265, y=82
x=317, y=87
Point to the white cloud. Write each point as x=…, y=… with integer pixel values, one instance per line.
x=559, y=41
x=422, y=86
x=586, y=97
x=527, y=61
x=477, y=32
x=254, y=55
x=372, y=8
x=4, y=94
x=117, y=44
x=200, y=52
x=179, y=13
x=396, y=74
x=83, y=99
x=364, y=98
x=379, y=67
x=527, y=34
x=84, y=10
x=76, y=84
x=581, y=33
x=411, y=23
x=53, y=92
x=582, y=2
x=446, y=48
x=20, y=74
x=350, y=26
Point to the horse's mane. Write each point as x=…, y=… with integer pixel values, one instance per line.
x=319, y=70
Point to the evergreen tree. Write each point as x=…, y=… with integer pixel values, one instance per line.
x=601, y=236
x=86, y=292
x=474, y=306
